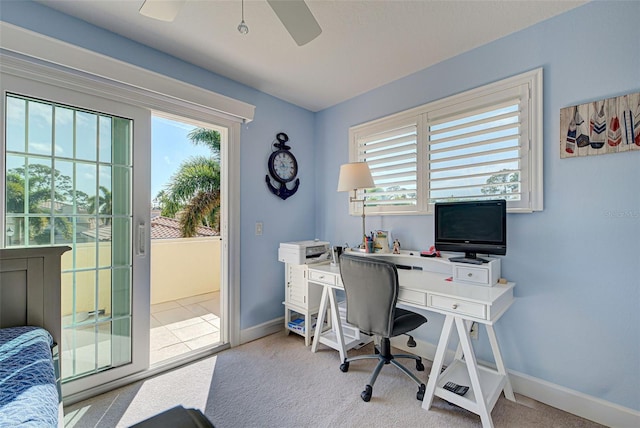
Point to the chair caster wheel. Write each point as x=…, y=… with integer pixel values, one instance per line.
x=411, y=343
x=366, y=394
x=344, y=367
x=420, y=393
x=419, y=366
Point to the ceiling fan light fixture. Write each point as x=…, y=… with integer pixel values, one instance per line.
x=242, y=27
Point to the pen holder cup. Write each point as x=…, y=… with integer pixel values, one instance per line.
x=369, y=246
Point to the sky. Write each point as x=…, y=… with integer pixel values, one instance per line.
x=169, y=148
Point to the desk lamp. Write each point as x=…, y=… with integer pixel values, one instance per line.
x=355, y=176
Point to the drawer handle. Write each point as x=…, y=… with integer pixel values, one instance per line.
x=321, y=277
x=454, y=306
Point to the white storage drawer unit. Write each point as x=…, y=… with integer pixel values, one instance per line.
x=484, y=274
x=475, y=275
x=301, y=299
x=298, y=292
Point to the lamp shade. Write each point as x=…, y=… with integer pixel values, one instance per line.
x=355, y=175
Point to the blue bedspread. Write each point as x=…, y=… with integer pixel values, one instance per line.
x=28, y=391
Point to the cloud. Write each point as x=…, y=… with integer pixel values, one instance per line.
x=167, y=160
x=36, y=147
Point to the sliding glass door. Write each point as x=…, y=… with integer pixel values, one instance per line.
x=77, y=173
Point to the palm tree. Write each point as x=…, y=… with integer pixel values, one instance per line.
x=101, y=203
x=194, y=190
x=40, y=181
x=208, y=138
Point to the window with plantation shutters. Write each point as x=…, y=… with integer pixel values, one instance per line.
x=481, y=144
x=474, y=150
x=392, y=156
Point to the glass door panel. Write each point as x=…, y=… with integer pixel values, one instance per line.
x=70, y=181
x=60, y=192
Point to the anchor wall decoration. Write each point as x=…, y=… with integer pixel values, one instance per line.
x=283, y=168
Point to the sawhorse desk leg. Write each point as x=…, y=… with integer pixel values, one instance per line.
x=482, y=408
x=508, y=390
x=438, y=362
x=466, y=356
x=322, y=313
x=329, y=301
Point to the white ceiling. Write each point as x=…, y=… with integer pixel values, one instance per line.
x=363, y=45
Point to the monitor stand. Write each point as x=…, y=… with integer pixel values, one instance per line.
x=470, y=258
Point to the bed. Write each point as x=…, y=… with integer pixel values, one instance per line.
x=30, y=333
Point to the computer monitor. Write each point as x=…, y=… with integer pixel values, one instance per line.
x=471, y=227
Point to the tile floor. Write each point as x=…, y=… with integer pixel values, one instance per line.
x=184, y=325
x=177, y=327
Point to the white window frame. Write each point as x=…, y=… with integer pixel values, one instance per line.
x=531, y=143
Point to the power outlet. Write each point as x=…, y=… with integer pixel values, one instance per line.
x=473, y=332
x=258, y=228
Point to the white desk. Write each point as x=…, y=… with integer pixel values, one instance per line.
x=461, y=304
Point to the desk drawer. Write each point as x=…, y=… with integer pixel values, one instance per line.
x=457, y=306
x=323, y=278
x=474, y=275
x=417, y=297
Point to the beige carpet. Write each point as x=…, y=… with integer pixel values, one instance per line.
x=277, y=382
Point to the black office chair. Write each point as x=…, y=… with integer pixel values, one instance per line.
x=371, y=287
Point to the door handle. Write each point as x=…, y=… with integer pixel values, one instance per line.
x=142, y=247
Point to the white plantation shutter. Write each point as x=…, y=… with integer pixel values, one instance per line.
x=474, y=148
x=393, y=160
x=485, y=143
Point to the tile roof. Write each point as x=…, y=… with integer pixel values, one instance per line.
x=169, y=228
x=161, y=228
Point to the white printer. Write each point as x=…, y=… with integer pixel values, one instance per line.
x=302, y=252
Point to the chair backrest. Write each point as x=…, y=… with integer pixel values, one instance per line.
x=371, y=287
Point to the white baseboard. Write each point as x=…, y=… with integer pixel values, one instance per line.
x=261, y=330
x=575, y=402
x=568, y=400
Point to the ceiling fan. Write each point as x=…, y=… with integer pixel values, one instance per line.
x=294, y=15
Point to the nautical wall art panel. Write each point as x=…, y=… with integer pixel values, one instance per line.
x=600, y=127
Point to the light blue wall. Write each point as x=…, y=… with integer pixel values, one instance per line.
x=576, y=321
x=262, y=276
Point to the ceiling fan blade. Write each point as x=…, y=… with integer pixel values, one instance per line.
x=162, y=10
x=297, y=19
